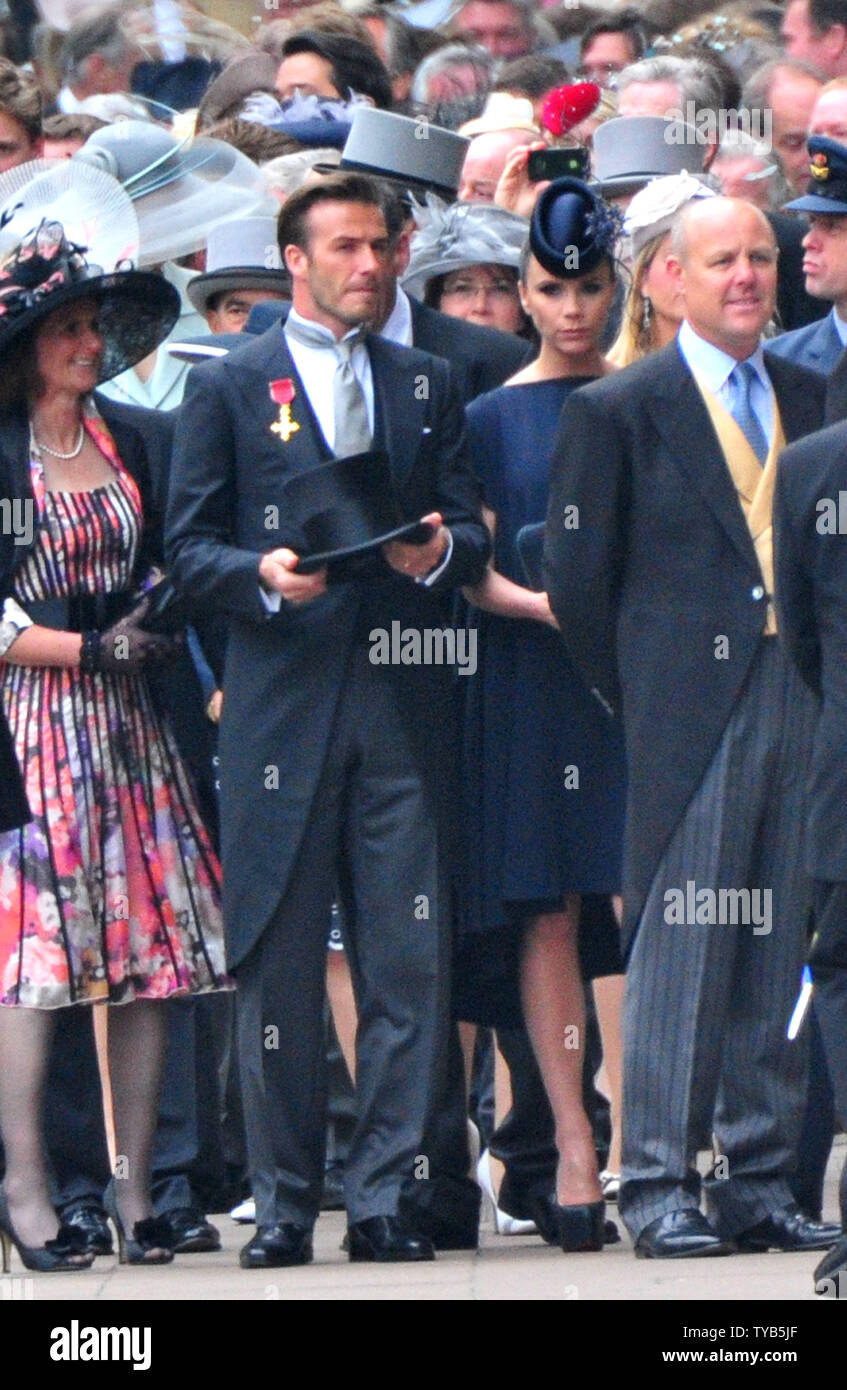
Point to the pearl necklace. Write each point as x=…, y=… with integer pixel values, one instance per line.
x=55, y=453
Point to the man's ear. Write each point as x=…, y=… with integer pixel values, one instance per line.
x=835, y=39
x=296, y=260
x=402, y=252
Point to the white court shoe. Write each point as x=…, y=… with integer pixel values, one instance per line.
x=504, y=1224
x=245, y=1212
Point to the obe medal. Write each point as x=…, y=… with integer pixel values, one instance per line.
x=282, y=394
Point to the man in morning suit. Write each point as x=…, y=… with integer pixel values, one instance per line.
x=810, y=536
x=334, y=771
x=662, y=590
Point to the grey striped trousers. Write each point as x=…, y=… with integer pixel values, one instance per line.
x=708, y=1003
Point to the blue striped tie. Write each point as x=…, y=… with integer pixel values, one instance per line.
x=741, y=379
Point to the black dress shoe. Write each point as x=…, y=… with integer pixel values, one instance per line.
x=92, y=1222
x=190, y=1232
x=276, y=1247
x=681, y=1235
x=387, y=1238
x=831, y=1273
x=789, y=1230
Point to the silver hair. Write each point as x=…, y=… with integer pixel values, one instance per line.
x=103, y=34
x=756, y=95
x=453, y=55
x=695, y=81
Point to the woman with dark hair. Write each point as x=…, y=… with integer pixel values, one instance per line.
x=110, y=893
x=545, y=771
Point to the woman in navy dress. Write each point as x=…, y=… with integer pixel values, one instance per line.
x=545, y=774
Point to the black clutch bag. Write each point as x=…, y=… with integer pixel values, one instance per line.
x=167, y=611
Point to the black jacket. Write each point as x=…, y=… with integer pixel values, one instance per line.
x=284, y=672
x=659, y=566
x=811, y=592
x=481, y=358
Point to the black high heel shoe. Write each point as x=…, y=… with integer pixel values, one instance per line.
x=148, y=1236
x=575, y=1227
x=60, y=1254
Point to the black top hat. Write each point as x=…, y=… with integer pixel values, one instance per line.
x=572, y=229
x=45, y=271
x=827, y=188
x=345, y=508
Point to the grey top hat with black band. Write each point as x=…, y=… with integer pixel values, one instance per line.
x=461, y=235
x=827, y=188
x=629, y=151
x=573, y=229
x=408, y=151
x=240, y=255
x=345, y=508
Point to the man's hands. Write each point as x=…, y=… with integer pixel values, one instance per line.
x=276, y=572
x=416, y=561
x=276, y=569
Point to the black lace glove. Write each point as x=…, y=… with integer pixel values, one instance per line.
x=125, y=648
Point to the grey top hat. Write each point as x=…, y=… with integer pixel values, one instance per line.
x=629, y=151
x=240, y=255
x=461, y=235
x=408, y=151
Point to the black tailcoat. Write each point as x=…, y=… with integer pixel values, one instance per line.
x=284, y=672
x=658, y=589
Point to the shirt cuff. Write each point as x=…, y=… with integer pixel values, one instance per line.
x=13, y=621
x=428, y=579
x=272, y=600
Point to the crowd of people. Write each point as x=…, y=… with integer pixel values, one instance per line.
x=423, y=610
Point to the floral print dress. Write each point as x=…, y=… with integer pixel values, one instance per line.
x=111, y=892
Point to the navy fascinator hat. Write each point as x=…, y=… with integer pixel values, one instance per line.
x=572, y=229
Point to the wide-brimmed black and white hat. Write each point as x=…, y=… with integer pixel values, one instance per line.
x=67, y=233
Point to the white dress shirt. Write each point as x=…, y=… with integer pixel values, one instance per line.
x=316, y=368
x=398, y=325
x=714, y=366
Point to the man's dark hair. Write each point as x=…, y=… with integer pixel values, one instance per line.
x=355, y=66
x=824, y=13
x=532, y=76
x=626, y=22
x=346, y=186
x=20, y=98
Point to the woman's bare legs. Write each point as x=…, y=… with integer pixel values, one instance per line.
x=608, y=997
x=554, y=1010
x=137, y=1035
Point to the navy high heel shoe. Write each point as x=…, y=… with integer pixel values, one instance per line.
x=149, y=1243
x=65, y=1252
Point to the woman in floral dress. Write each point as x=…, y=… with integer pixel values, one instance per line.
x=110, y=893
